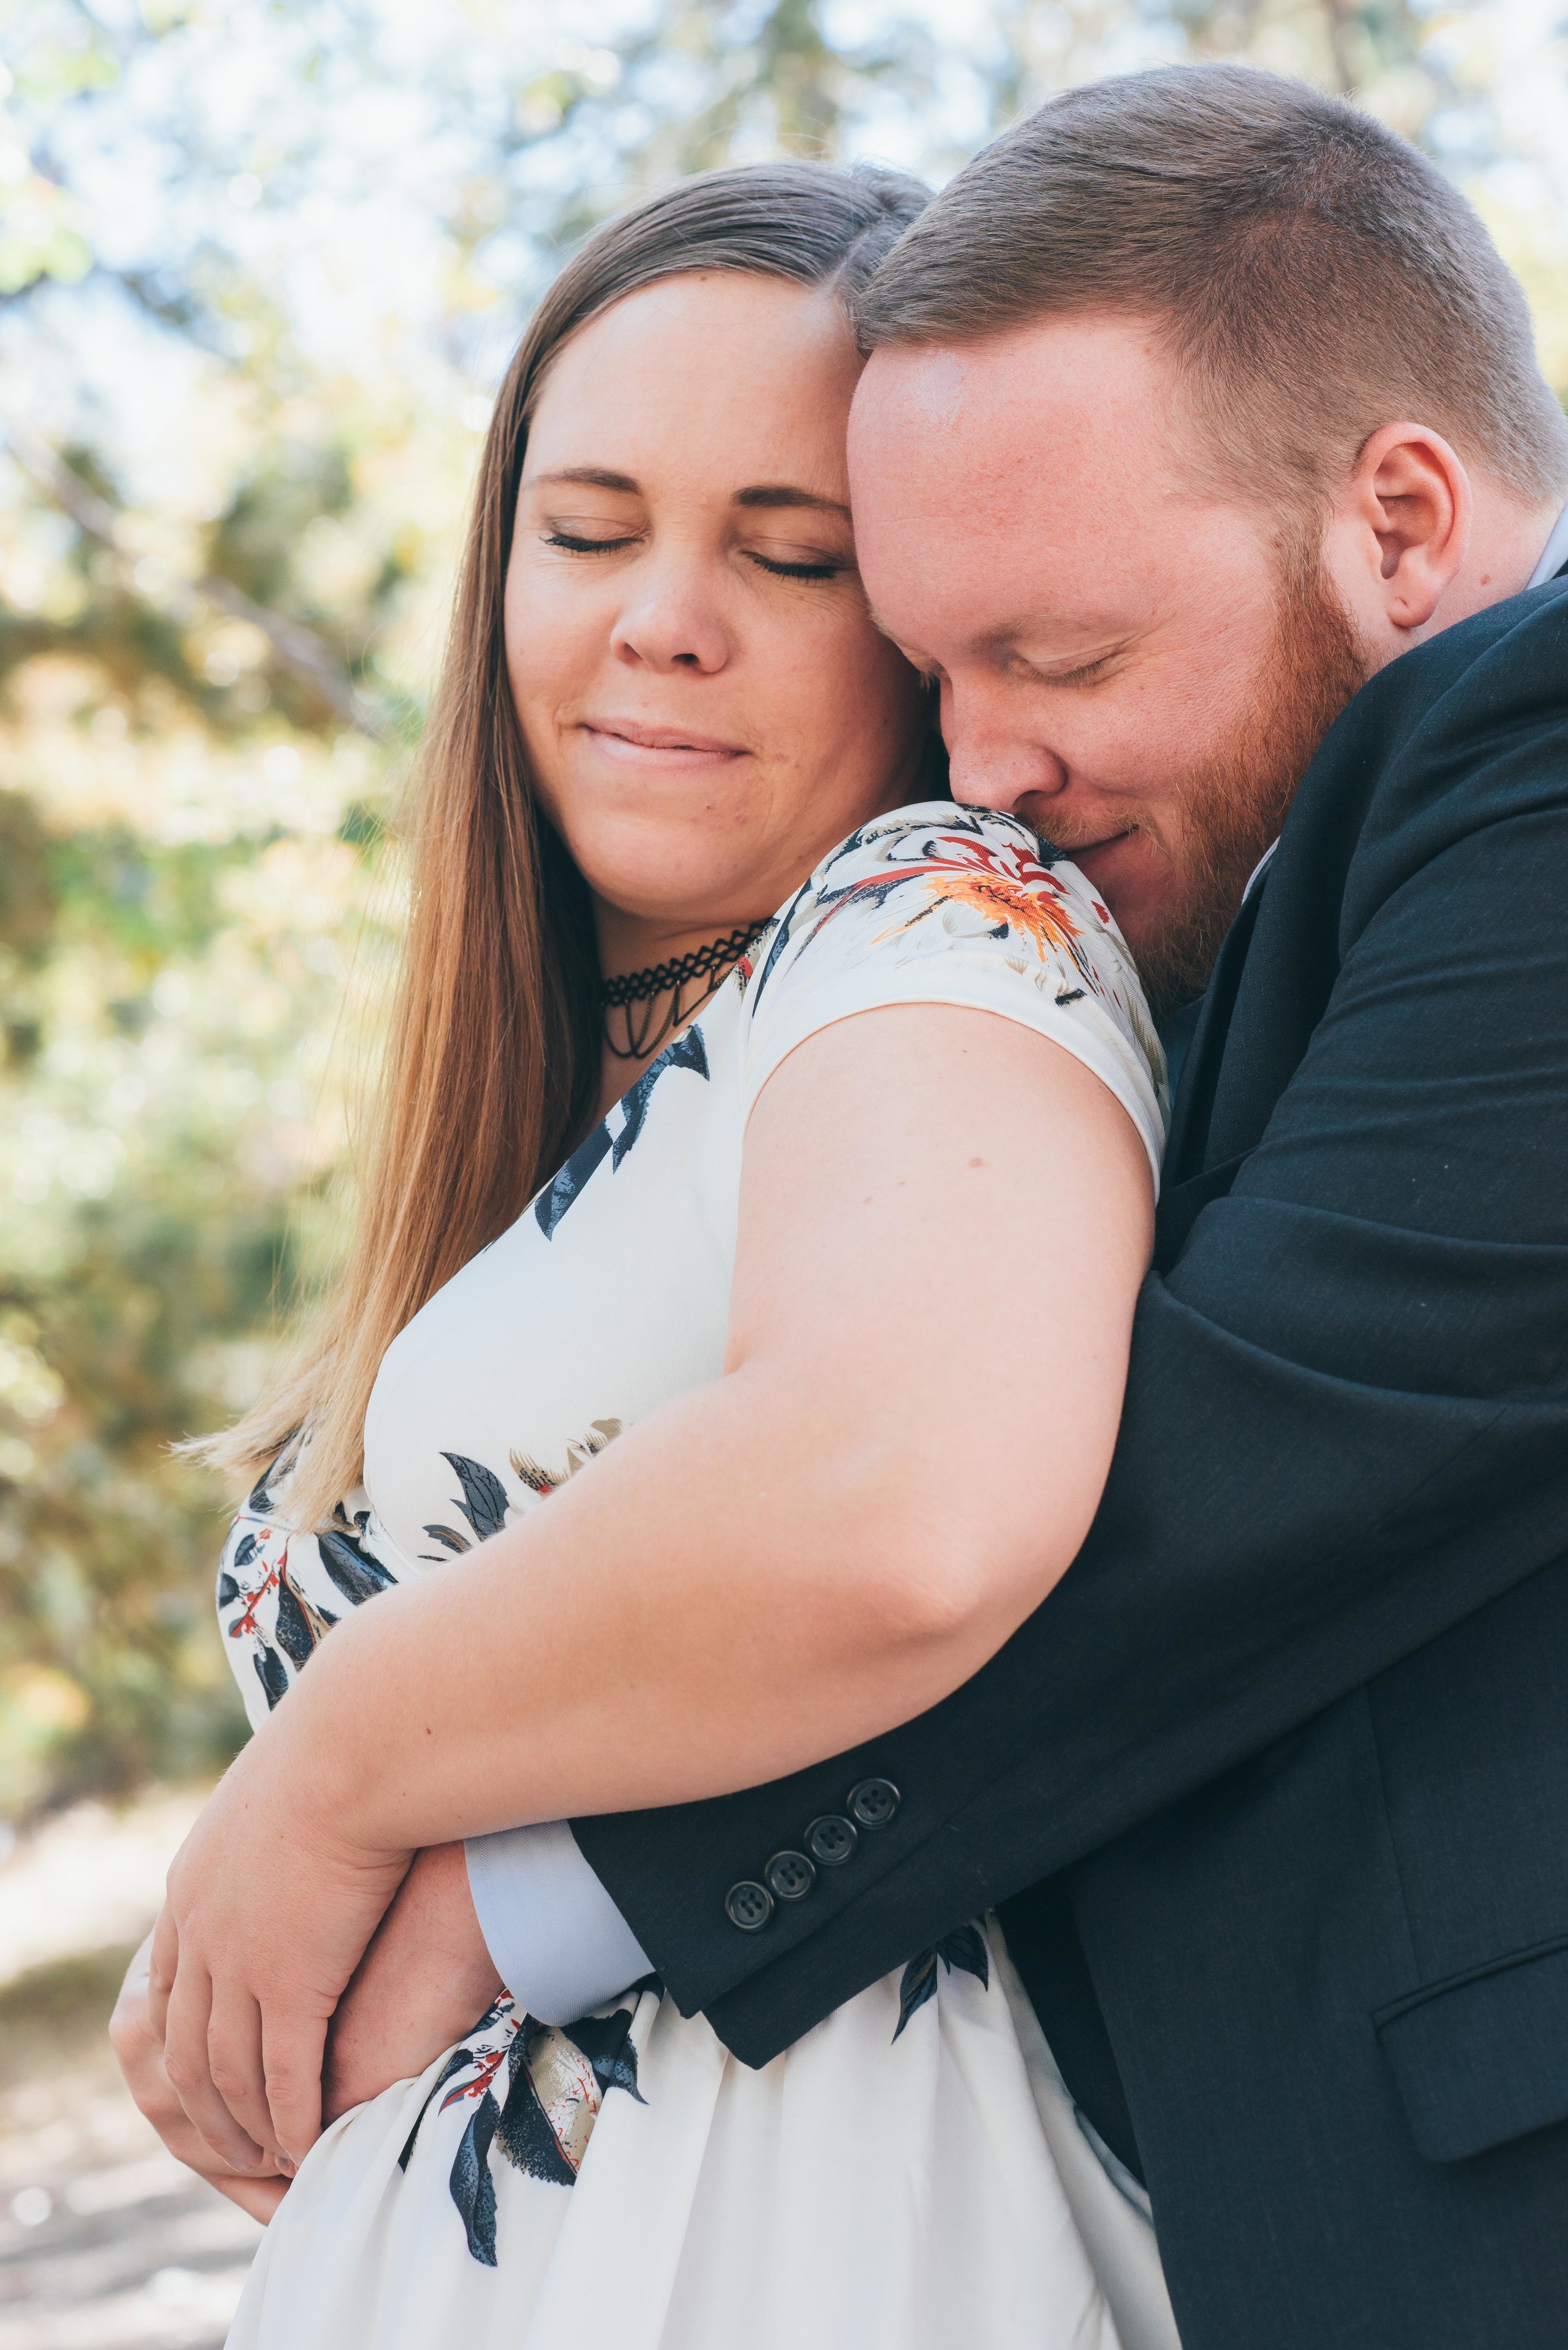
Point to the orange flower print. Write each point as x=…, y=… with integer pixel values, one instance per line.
x=984, y=877
x=1002, y=889
x=999, y=900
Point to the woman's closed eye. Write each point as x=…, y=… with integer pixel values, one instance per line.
x=574, y=537
x=819, y=567
x=581, y=536
x=788, y=559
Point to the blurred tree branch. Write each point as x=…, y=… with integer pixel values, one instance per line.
x=299, y=650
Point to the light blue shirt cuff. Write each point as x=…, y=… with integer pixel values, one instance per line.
x=559, y=1943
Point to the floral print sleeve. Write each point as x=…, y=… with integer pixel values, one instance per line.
x=943, y=904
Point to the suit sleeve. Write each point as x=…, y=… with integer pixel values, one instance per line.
x=1345, y=1429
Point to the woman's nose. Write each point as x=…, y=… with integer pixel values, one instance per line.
x=673, y=620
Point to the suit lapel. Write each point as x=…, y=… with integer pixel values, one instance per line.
x=1195, y=1094
x=1251, y=1039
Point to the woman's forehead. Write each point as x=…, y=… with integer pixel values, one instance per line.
x=720, y=371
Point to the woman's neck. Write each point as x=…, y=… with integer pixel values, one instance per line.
x=666, y=973
x=628, y=943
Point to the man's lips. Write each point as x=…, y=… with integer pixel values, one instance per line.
x=630, y=742
x=1090, y=854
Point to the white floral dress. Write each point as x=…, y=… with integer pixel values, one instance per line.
x=911, y=2175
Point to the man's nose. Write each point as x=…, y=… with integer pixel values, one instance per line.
x=991, y=762
x=672, y=619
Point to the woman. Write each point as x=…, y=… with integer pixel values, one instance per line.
x=763, y=1171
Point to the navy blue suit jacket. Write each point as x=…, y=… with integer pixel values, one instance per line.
x=1273, y=1789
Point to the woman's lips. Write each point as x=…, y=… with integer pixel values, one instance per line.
x=630, y=744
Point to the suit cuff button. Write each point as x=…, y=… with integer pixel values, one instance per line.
x=748, y=1905
x=789, y=1877
x=873, y=1803
x=831, y=1841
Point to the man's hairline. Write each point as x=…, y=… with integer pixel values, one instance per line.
x=1309, y=506
x=1214, y=484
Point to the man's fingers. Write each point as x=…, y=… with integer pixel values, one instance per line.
x=130, y=2031
x=293, y=2052
x=162, y=1948
x=186, y=2061
x=139, y=2052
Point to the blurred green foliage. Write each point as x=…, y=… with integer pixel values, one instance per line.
x=260, y=262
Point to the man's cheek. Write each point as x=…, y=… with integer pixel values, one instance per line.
x=1140, y=886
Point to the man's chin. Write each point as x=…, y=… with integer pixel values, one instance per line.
x=1151, y=903
x=1133, y=876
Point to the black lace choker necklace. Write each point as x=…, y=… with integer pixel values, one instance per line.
x=710, y=964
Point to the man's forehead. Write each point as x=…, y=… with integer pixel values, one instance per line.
x=1070, y=433
x=1080, y=370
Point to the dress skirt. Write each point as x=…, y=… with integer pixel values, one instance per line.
x=908, y=2176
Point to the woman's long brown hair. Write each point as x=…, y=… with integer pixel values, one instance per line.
x=494, y=1060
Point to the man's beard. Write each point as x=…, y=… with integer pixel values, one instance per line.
x=1236, y=805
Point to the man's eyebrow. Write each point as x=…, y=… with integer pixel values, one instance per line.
x=781, y=493
x=591, y=477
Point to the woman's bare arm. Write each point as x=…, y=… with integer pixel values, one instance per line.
x=944, y=1222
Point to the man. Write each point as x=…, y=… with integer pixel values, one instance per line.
x=1193, y=401
x=1192, y=404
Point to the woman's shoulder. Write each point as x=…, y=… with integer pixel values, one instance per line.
x=937, y=879
x=944, y=904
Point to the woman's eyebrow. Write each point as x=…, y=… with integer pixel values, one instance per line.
x=758, y=494
x=592, y=477
x=779, y=493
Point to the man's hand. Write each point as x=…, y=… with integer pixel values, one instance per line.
x=425, y=1980
x=139, y=2050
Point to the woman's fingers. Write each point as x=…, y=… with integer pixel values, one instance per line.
x=234, y=2063
x=160, y=2034
x=294, y=2049
x=139, y=2050
x=259, y=2197
x=269, y=1913
x=188, y=2065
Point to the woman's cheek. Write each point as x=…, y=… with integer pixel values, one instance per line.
x=558, y=626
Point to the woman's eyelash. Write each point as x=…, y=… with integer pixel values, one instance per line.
x=796, y=570
x=575, y=545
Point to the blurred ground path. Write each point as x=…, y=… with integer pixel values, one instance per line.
x=106, y=2242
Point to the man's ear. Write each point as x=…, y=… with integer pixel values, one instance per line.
x=1400, y=530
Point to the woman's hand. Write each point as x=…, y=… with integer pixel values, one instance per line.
x=139, y=2050
x=269, y=1912
x=426, y=1978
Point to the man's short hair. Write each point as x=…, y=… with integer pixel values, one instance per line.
x=1313, y=275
